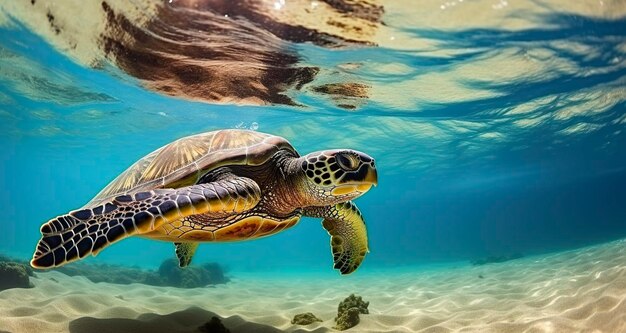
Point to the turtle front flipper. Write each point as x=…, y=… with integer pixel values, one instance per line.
x=81, y=232
x=348, y=235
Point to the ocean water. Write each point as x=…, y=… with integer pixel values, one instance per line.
x=498, y=127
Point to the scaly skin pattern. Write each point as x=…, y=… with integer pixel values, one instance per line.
x=271, y=214
x=231, y=202
x=199, y=228
x=346, y=227
x=288, y=184
x=185, y=252
x=73, y=236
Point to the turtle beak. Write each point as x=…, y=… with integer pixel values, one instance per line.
x=360, y=186
x=371, y=176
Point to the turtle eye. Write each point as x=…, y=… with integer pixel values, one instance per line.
x=347, y=161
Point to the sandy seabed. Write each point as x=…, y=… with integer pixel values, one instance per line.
x=576, y=291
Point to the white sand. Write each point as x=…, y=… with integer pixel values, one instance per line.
x=576, y=291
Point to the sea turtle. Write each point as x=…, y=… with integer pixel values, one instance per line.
x=225, y=185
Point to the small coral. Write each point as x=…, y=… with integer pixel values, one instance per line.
x=304, y=319
x=347, y=319
x=13, y=275
x=353, y=301
x=348, y=312
x=213, y=326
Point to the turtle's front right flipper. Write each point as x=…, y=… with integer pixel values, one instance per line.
x=73, y=236
x=348, y=234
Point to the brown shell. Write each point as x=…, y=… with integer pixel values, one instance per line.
x=184, y=161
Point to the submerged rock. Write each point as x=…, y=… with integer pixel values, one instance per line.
x=348, y=319
x=215, y=273
x=190, y=277
x=496, y=259
x=349, y=310
x=23, y=263
x=13, y=275
x=304, y=319
x=107, y=273
x=213, y=326
x=168, y=274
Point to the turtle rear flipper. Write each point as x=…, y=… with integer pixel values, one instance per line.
x=185, y=252
x=73, y=236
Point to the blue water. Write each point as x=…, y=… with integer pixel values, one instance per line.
x=458, y=179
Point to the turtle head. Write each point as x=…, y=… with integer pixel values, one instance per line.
x=338, y=175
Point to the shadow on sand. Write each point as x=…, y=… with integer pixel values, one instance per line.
x=186, y=321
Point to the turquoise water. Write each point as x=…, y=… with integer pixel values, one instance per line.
x=491, y=142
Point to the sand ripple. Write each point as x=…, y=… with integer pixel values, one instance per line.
x=576, y=291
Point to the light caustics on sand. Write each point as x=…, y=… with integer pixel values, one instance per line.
x=575, y=291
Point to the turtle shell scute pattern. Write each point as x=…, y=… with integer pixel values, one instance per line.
x=184, y=161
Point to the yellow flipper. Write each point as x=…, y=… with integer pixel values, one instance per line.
x=348, y=234
x=185, y=252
